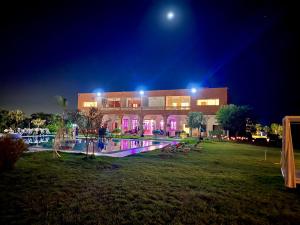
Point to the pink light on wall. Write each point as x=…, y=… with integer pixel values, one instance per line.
x=161, y=124
x=125, y=124
x=173, y=124
x=147, y=125
x=134, y=123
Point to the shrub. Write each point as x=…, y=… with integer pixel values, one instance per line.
x=216, y=134
x=157, y=132
x=190, y=140
x=10, y=151
x=52, y=127
x=183, y=134
x=116, y=131
x=177, y=133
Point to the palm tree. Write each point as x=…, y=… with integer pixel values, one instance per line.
x=17, y=116
x=60, y=134
x=63, y=103
x=4, y=119
x=276, y=129
x=38, y=122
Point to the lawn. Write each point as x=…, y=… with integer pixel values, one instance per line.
x=224, y=183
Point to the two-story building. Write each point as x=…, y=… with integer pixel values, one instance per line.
x=166, y=110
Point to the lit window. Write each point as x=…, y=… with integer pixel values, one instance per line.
x=208, y=101
x=175, y=101
x=134, y=105
x=89, y=104
x=185, y=104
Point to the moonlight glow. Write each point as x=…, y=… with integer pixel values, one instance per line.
x=170, y=15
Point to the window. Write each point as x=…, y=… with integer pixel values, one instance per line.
x=89, y=104
x=156, y=101
x=185, y=104
x=113, y=102
x=208, y=101
x=178, y=101
x=133, y=102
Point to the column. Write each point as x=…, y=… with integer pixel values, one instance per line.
x=130, y=122
x=157, y=122
x=141, y=121
x=121, y=122
x=165, y=119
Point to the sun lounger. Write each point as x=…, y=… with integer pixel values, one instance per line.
x=168, y=148
x=174, y=148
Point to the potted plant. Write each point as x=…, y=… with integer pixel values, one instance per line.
x=183, y=134
x=116, y=132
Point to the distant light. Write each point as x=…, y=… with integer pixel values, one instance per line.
x=194, y=90
x=142, y=92
x=170, y=15
x=98, y=94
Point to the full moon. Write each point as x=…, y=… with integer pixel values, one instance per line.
x=170, y=15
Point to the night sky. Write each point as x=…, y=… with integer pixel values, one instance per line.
x=53, y=48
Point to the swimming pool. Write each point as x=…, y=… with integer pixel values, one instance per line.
x=114, y=147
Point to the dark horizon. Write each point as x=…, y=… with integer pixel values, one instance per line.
x=58, y=48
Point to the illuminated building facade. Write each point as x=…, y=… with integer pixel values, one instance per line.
x=164, y=110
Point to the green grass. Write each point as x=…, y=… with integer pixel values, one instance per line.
x=224, y=183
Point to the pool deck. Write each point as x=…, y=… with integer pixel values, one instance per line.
x=119, y=153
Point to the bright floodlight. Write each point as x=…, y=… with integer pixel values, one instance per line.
x=98, y=94
x=194, y=90
x=170, y=15
x=141, y=92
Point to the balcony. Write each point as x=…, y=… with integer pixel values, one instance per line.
x=143, y=108
x=177, y=108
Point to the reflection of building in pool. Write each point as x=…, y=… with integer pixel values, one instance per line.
x=125, y=144
x=36, y=139
x=165, y=110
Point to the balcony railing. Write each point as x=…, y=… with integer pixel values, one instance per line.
x=178, y=107
x=144, y=108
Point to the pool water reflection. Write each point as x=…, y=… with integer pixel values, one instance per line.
x=112, y=147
